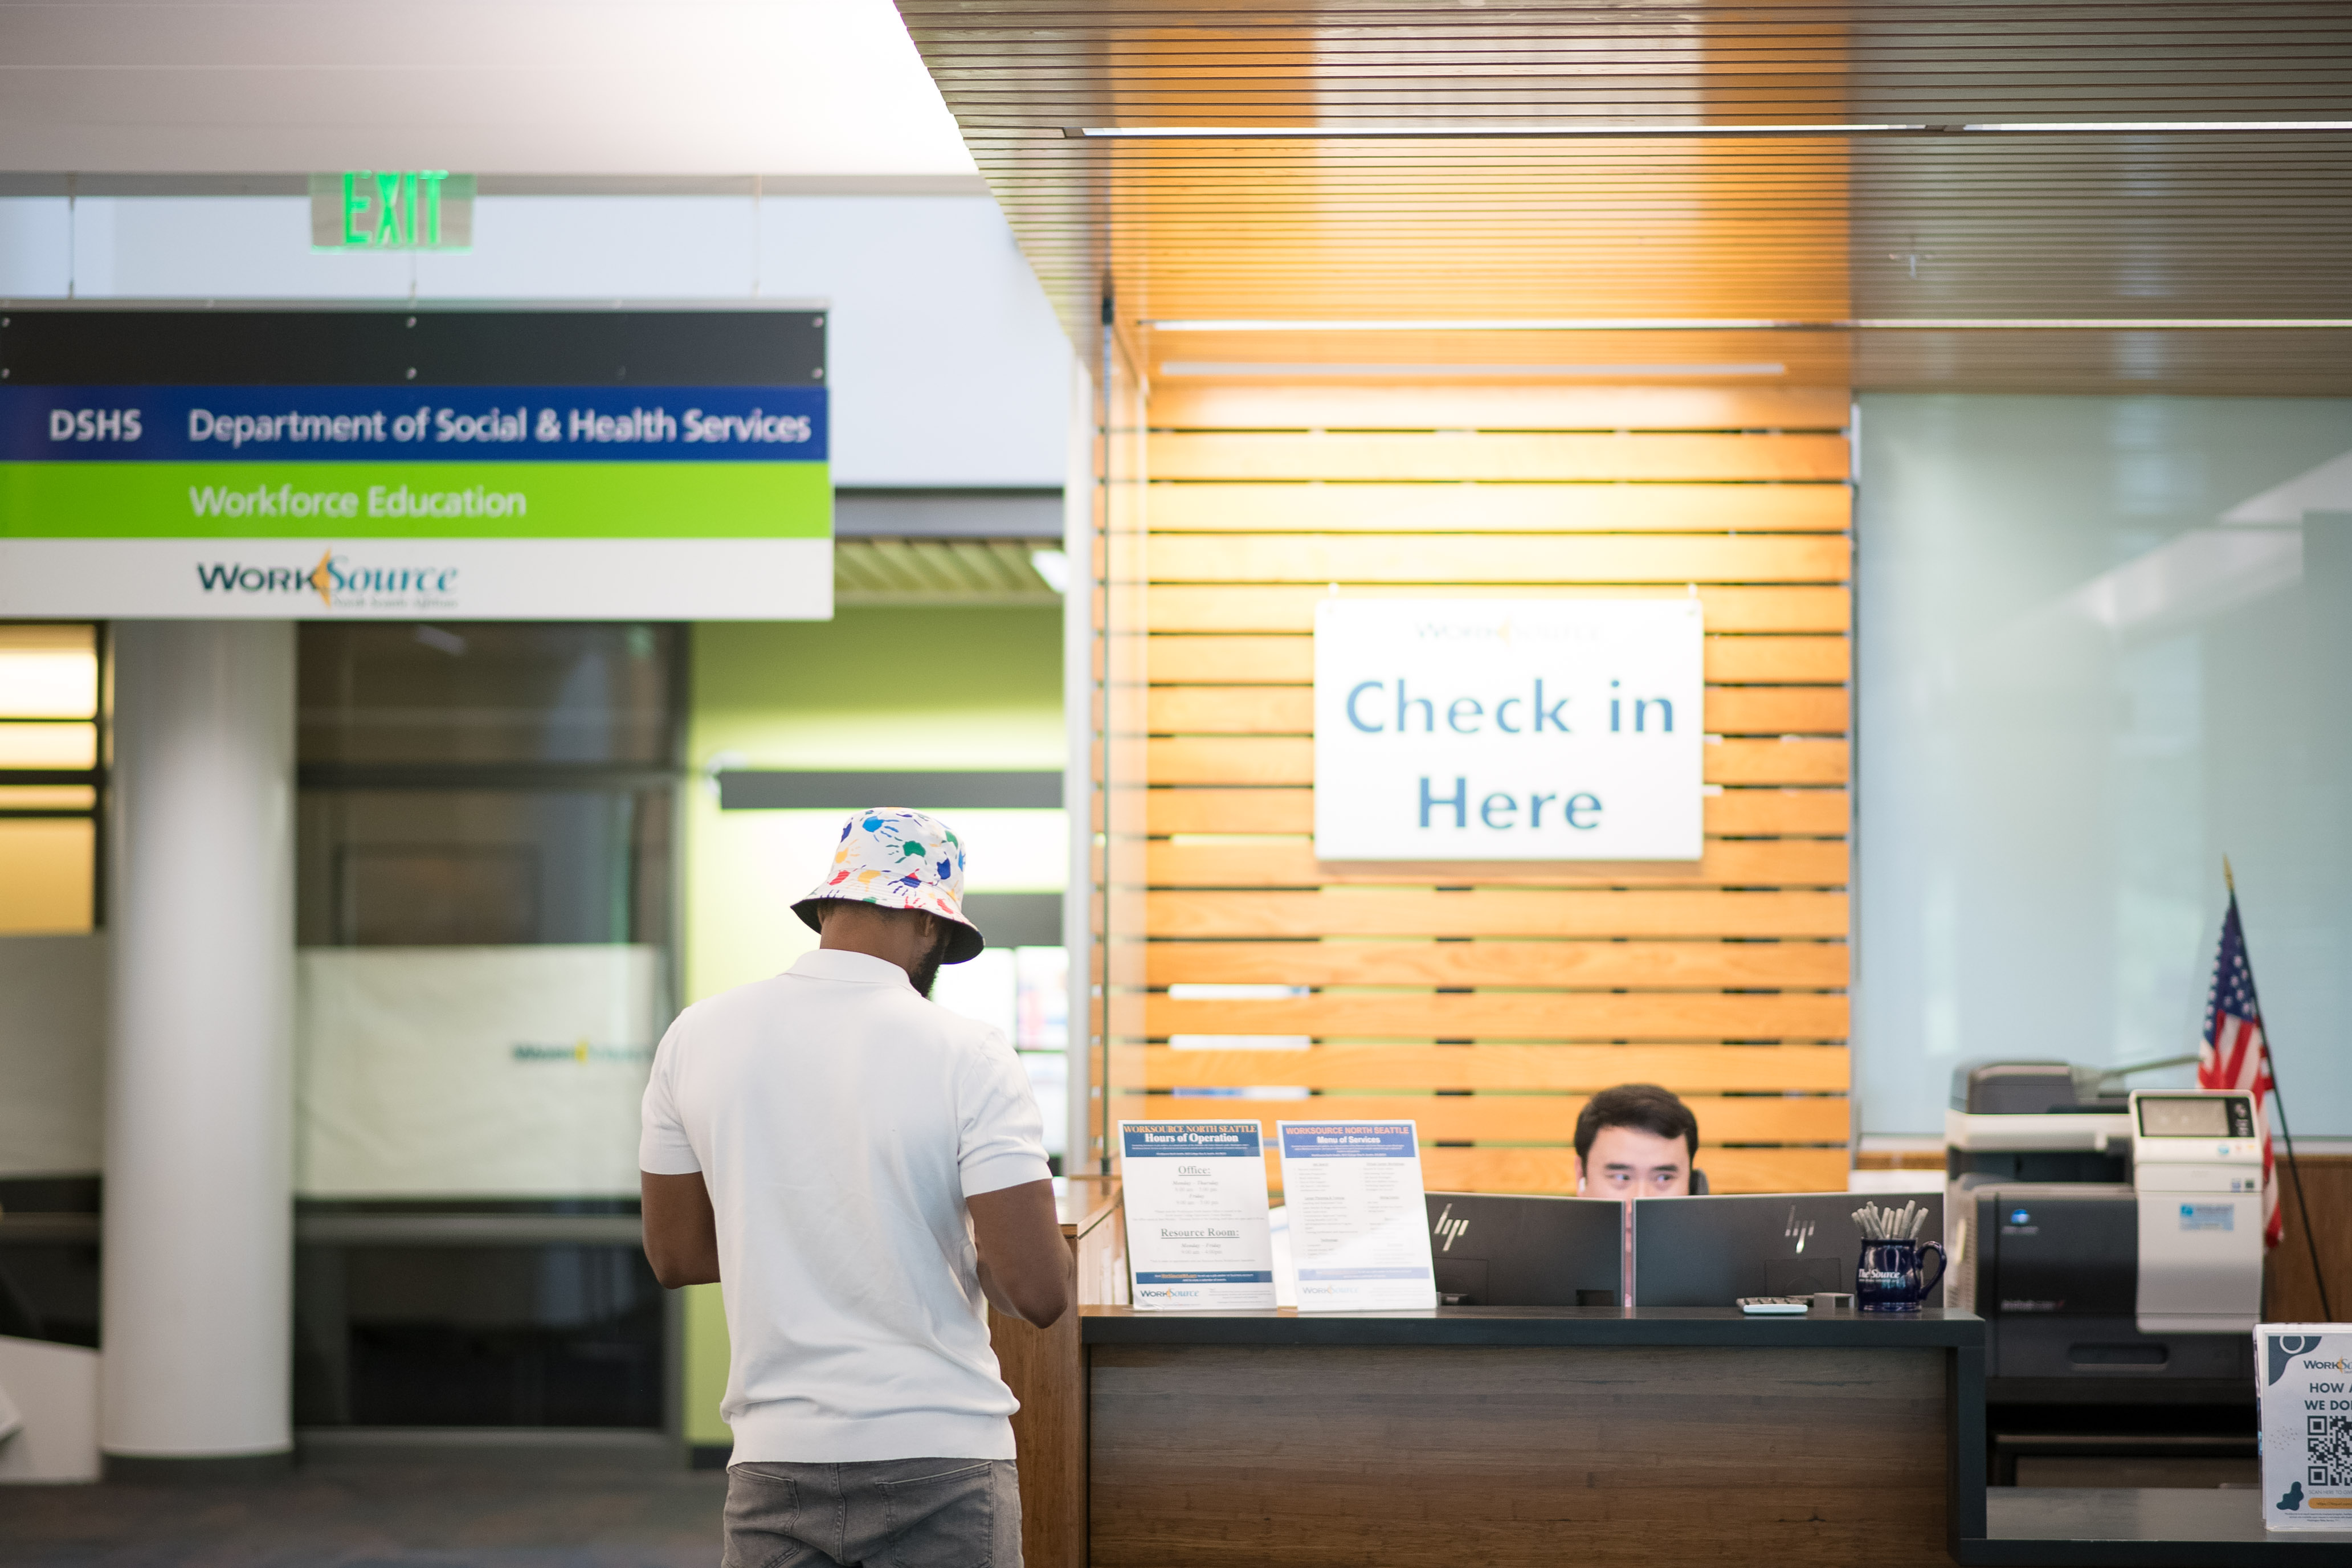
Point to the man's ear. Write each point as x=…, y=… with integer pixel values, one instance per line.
x=1580, y=1175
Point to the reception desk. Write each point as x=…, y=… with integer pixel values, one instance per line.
x=1505, y=1435
x=1516, y=1436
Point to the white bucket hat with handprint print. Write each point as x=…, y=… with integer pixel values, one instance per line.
x=900, y=859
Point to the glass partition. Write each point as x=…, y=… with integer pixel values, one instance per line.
x=2104, y=643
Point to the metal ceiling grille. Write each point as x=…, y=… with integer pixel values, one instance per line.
x=938, y=571
x=1926, y=221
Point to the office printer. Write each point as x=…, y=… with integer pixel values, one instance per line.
x=2105, y=1234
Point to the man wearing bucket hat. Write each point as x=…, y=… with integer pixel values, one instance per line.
x=859, y=1169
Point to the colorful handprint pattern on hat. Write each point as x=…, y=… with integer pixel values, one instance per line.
x=900, y=859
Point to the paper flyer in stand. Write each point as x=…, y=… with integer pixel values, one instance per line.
x=1359, y=1228
x=1196, y=1214
x=2305, y=1381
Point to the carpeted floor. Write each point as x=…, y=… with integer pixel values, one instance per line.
x=453, y=1509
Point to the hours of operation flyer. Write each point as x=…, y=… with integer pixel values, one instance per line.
x=1196, y=1214
x=1359, y=1228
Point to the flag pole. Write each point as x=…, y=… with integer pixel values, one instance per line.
x=2270, y=1064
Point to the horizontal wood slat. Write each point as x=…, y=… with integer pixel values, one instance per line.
x=1494, y=911
x=1513, y=1016
x=1290, y=760
x=1513, y=1118
x=1554, y=1170
x=1498, y=558
x=1250, y=608
x=1287, y=862
x=1291, y=810
x=1290, y=710
x=1289, y=659
x=1228, y=406
x=1447, y=455
x=1207, y=506
x=1685, y=1068
x=1657, y=964
x=1797, y=759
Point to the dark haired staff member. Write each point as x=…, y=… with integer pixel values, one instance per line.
x=857, y=1167
x=1635, y=1141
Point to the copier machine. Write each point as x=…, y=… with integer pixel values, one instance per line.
x=2105, y=1234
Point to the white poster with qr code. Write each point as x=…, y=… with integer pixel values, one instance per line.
x=2305, y=1373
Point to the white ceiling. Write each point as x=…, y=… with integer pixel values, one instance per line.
x=812, y=88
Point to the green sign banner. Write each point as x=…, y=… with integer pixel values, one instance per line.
x=415, y=500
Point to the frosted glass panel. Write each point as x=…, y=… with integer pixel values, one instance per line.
x=2102, y=643
x=472, y=1072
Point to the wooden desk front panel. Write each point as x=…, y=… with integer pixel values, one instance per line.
x=1269, y=1456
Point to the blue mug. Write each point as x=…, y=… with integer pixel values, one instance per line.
x=1889, y=1276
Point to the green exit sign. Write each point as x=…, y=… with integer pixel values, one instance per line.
x=391, y=209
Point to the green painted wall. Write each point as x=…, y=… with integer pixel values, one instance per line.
x=705, y=1367
x=915, y=689
x=928, y=689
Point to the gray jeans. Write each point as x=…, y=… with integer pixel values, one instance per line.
x=880, y=1513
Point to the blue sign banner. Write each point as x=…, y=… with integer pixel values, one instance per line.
x=421, y=424
x=1189, y=1139
x=1349, y=1141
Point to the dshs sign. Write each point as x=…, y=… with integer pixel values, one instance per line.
x=1508, y=729
x=399, y=463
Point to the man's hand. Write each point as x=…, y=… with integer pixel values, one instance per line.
x=681, y=1234
x=1025, y=1264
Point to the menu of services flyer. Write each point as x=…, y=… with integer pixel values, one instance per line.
x=1359, y=1228
x=1196, y=1214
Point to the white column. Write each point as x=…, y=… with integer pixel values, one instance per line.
x=199, y=1081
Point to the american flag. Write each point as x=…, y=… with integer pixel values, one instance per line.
x=2235, y=1056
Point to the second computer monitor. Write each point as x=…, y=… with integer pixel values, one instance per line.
x=1498, y=1251
x=1709, y=1252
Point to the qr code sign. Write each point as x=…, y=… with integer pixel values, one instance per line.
x=2328, y=1450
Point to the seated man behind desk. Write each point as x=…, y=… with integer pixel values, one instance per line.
x=1635, y=1141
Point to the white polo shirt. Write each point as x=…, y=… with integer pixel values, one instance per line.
x=840, y=1121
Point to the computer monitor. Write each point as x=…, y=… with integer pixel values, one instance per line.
x=1496, y=1251
x=1709, y=1252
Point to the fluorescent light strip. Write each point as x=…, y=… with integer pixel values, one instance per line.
x=1604, y=130
x=2138, y=127
x=1500, y=324
x=1861, y=324
x=1258, y=367
x=1305, y=133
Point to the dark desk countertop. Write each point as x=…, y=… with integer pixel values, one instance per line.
x=1929, y=1328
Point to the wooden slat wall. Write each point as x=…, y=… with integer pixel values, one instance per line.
x=1490, y=1002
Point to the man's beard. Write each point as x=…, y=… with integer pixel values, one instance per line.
x=927, y=969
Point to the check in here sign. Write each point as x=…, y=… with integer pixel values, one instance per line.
x=1508, y=729
x=483, y=502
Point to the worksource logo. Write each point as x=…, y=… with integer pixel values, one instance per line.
x=583, y=1053
x=340, y=582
